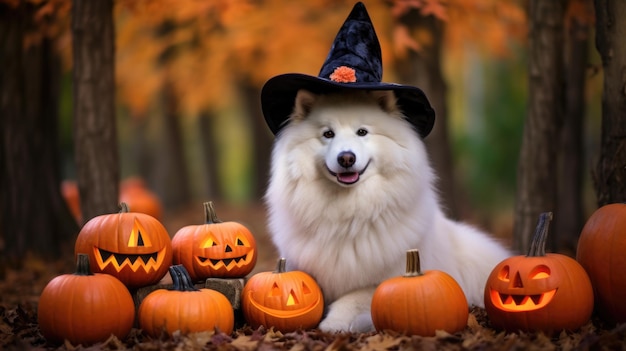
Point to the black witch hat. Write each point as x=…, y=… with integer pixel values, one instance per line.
x=354, y=62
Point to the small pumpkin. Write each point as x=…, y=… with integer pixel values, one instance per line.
x=69, y=191
x=185, y=308
x=419, y=303
x=602, y=252
x=539, y=292
x=131, y=246
x=140, y=198
x=215, y=249
x=85, y=308
x=285, y=300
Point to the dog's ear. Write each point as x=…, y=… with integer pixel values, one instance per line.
x=386, y=99
x=303, y=104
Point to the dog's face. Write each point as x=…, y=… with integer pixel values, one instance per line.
x=354, y=136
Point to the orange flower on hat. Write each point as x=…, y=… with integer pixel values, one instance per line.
x=343, y=74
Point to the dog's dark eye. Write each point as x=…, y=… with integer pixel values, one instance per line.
x=361, y=132
x=328, y=134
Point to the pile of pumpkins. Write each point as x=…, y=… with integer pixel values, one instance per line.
x=119, y=253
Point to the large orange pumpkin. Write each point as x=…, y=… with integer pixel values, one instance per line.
x=419, y=303
x=539, y=291
x=134, y=247
x=602, y=252
x=285, y=300
x=185, y=308
x=84, y=308
x=215, y=249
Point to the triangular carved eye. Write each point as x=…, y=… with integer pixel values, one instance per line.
x=305, y=288
x=292, y=299
x=208, y=243
x=136, y=237
x=275, y=290
x=239, y=242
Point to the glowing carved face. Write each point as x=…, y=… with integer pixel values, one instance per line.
x=523, y=289
x=215, y=249
x=227, y=253
x=284, y=300
x=134, y=247
x=137, y=254
x=546, y=293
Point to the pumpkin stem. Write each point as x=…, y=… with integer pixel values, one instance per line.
x=82, y=265
x=210, y=217
x=413, y=268
x=124, y=207
x=280, y=266
x=538, y=243
x=181, y=278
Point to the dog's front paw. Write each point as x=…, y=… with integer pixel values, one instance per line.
x=350, y=313
x=361, y=323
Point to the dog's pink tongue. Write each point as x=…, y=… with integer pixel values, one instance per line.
x=348, y=177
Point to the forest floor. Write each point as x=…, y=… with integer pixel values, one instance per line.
x=20, y=290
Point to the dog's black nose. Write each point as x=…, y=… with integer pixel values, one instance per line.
x=346, y=159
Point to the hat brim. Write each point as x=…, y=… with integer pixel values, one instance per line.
x=279, y=93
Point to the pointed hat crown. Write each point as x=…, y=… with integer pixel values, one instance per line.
x=354, y=62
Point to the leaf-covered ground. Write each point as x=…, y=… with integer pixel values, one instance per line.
x=19, y=331
x=20, y=290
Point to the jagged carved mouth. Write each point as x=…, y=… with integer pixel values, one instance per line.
x=283, y=313
x=150, y=261
x=229, y=263
x=521, y=303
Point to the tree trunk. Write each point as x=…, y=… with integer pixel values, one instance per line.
x=33, y=216
x=262, y=143
x=95, y=134
x=610, y=172
x=210, y=151
x=173, y=182
x=570, y=219
x=536, y=188
x=423, y=69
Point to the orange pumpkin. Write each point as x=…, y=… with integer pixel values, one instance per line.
x=185, y=308
x=84, y=308
x=539, y=291
x=69, y=191
x=284, y=300
x=136, y=194
x=215, y=249
x=134, y=247
x=602, y=252
x=419, y=303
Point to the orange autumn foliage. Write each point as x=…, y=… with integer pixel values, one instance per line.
x=203, y=49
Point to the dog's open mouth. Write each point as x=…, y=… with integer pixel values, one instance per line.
x=348, y=177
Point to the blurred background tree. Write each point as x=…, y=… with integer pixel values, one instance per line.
x=188, y=75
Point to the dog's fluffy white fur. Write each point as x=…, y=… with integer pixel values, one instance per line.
x=348, y=221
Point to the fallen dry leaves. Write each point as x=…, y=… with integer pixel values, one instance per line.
x=19, y=331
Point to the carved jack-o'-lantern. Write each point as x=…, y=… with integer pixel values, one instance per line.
x=283, y=300
x=215, y=249
x=132, y=246
x=539, y=291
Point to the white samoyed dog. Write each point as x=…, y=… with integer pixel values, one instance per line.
x=351, y=190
